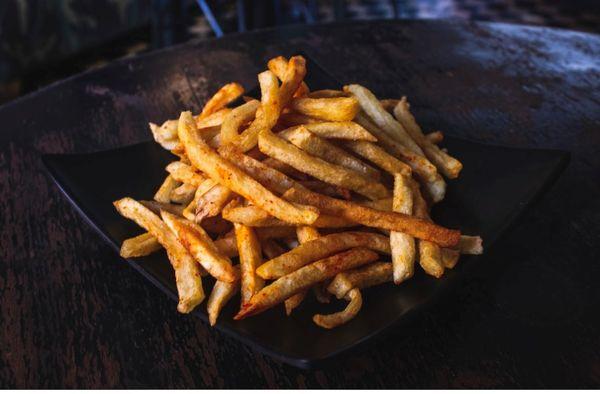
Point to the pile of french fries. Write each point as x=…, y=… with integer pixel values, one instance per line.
x=326, y=191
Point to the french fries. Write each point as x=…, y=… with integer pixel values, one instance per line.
x=320, y=248
x=303, y=178
x=187, y=270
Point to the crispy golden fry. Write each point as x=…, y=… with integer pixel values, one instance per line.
x=361, y=278
x=224, y=96
x=402, y=244
x=276, y=147
x=304, y=278
x=327, y=93
x=212, y=202
x=201, y=247
x=220, y=294
x=340, y=130
x=187, y=270
x=184, y=173
x=382, y=118
x=449, y=257
x=317, y=146
x=379, y=156
x=156, y=207
x=278, y=66
x=190, y=211
x=183, y=194
x=163, y=194
x=254, y=216
x=435, y=137
x=336, y=109
x=290, y=119
x=212, y=120
x=319, y=248
x=445, y=163
x=250, y=258
x=142, y=245
x=272, y=249
x=337, y=319
x=166, y=134
x=236, y=119
x=470, y=244
x=267, y=176
x=273, y=100
x=430, y=255
x=304, y=234
x=394, y=221
x=228, y=175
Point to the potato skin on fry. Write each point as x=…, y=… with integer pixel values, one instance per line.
x=187, y=270
x=303, y=278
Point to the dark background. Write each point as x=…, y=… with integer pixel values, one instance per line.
x=43, y=41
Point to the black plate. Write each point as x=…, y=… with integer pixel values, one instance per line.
x=496, y=185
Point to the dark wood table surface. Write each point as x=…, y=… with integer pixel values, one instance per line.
x=73, y=314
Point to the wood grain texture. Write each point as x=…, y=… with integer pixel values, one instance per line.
x=73, y=314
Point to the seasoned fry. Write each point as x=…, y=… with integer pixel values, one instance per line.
x=183, y=194
x=430, y=255
x=250, y=258
x=165, y=134
x=276, y=147
x=221, y=98
x=163, y=194
x=220, y=294
x=212, y=120
x=337, y=319
x=278, y=66
x=187, y=270
x=319, y=248
x=235, y=119
x=394, y=221
x=254, y=216
x=402, y=245
x=382, y=118
x=212, y=202
x=184, y=173
x=316, y=146
x=201, y=247
x=304, y=278
x=341, y=130
x=190, y=211
x=336, y=109
x=228, y=175
x=361, y=278
x=445, y=163
x=379, y=156
x=142, y=245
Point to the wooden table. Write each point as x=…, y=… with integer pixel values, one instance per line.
x=73, y=314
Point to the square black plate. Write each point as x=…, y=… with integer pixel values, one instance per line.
x=495, y=187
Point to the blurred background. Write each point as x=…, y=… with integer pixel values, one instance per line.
x=42, y=41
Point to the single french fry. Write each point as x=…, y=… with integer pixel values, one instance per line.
x=361, y=278
x=228, y=175
x=250, y=258
x=254, y=216
x=213, y=120
x=163, y=194
x=317, y=146
x=220, y=294
x=187, y=270
x=445, y=163
x=402, y=244
x=235, y=119
x=341, y=130
x=142, y=245
x=278, y=148
x=294, y=301
x=394, y=221
x=212, y=202
x=221, y=98
x=183, y=194
x=190, y=211
x=379, y=156
x=430, y=255
x=304, y=278
x=319, y=248
x=336, y=109
x=383, y=119
x=337, y=319
x=201, y=247
x=304, y=234
x=184, y=173
x=470, y=244
x=435, y=137
x=166, y=134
